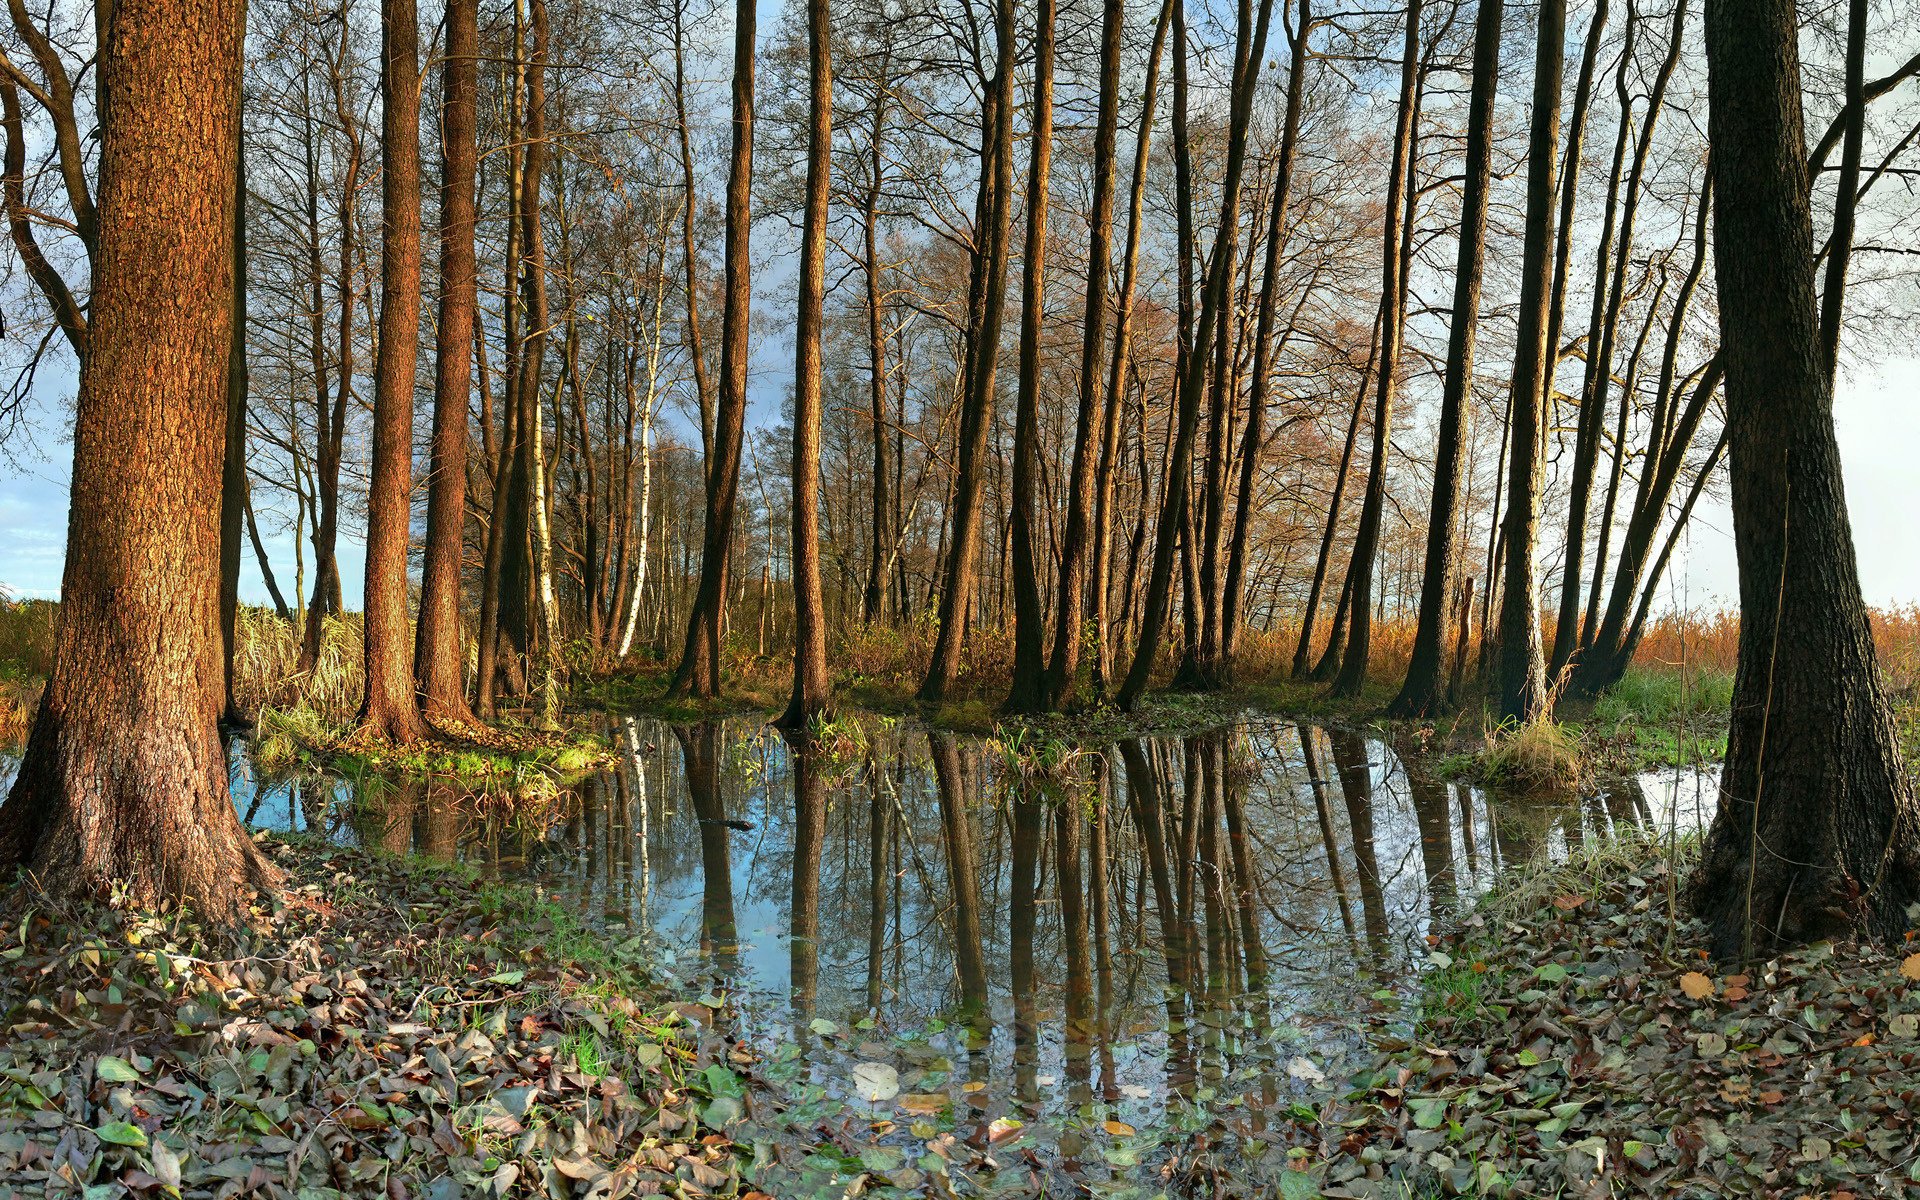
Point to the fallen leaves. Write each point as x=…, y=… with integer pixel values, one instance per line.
x=1696, y=986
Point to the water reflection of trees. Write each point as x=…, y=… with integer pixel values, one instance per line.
x=1132, y=889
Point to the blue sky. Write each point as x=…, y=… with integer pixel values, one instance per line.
x=1878, y=422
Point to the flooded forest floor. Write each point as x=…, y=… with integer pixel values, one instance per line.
x=1204, y=950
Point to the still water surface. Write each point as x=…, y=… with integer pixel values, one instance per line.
x=1179, y=933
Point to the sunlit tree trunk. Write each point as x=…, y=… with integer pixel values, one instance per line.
x=1028, y=693
x=124, y=779
x=389, y=709
x=438, y=658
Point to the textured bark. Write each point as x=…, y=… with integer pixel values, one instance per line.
x=1422, y=692
x=993, y=214
x=1521, y=682
x=124, y=777
x=388, y=709
x=438, y=658
x=1028, y=692
x=810, y=684
x=1815, y=835
x=699, y=671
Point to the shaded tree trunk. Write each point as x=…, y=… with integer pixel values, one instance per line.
x=1813, y=772
x=1521, y=668
x=699, y=671
x=810, y=684
x=1422, y=692
x=234, y=507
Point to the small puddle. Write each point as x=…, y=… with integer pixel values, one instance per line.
x=1157, y=937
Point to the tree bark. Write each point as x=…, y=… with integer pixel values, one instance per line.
x=1422, y=692
x=699, y=672
x=1393, y=280
x=1069, y=628
x=234, y=508
x=1521, y=669
x=1028, y=693
x=389, y=709
x=810, y=684
x=993, y=214
x=439, y=658
x=1813, y=772
x=1249, y=43
x=125, y=777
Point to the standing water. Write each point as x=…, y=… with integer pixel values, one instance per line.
x=1086, y=959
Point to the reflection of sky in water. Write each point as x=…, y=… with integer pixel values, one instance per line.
x=1350, y=855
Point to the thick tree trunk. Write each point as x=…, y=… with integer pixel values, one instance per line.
x=1028, y=693
x=810, y=683
x=389, y=709
x=1521, y=671
x=699, y=672
x=1815, y=836
x=125, y=776
x=439, y=658
x=1422, y=693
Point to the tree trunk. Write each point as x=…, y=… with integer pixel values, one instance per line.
x=389, y=709
x=439, y=658
x=1249, y=44
x=1813, y=770
x=1069, y=627
x=532, y=358
x=1028, y=692
x=1110, y=449
x=810, y=684
x=993, y=213
x=124, y=777
x=1423, y=692
x=1393, y=281
x=699, y=672
x=1522, y=682
x=234, y=508
x=1263, y=347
